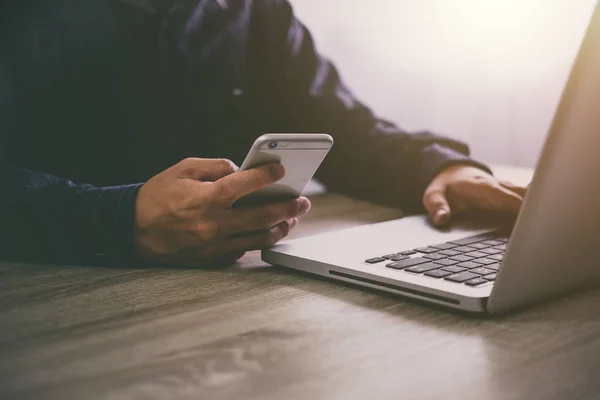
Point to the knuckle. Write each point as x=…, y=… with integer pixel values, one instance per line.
x=432, y=192
x=179, y=206
x=188, y=162
x=186, y=203
x=176, y=208
x=496, y=185
x=433, y=197
x=208, y=231
x=226, y=165
x=187, y=198
x=438, y=183
x=429, y=200
x=483, y=181
x=188, y=166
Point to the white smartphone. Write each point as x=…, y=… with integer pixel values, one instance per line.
x=301, y=154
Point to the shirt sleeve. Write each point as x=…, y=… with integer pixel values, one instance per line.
x=47, y=219
x=372, y=158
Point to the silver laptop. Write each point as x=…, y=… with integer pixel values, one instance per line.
x=553, y=248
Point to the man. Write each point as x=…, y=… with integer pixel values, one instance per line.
x=109, y=93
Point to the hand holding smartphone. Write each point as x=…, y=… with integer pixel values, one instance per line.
x=300, y=154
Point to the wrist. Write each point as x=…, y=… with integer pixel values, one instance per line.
x=438, y=158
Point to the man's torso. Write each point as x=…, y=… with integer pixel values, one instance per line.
x=108, y=92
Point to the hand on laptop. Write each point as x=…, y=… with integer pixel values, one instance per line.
x=465, y=188
x=184, y=215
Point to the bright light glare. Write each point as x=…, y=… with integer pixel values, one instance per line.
x=488, y=71
x=495, y=14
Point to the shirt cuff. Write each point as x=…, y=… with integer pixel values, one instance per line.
x=113, y=223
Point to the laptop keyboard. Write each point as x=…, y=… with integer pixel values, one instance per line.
x=473, y=261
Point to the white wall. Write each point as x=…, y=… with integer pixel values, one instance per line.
x=489, y=72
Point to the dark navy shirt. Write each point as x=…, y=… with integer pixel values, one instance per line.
x=97, y=96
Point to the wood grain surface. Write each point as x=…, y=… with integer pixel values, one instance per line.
x=257, y=332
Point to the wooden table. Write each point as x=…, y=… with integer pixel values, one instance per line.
x=256, y=332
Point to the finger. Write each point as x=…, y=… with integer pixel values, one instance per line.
x=294, y=222
x=492, y=198
x=257, y=240
x=437, y=207
x=520, y=190
x=511, y=201
x=457, y=205
x=232, y=187
x=251, y=219
x=204, y=169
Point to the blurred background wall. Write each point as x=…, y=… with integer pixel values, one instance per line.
x=489, y=72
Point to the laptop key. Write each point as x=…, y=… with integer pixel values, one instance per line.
x=462, y=258
x=486, y=261
x=408, y=252
x=476, y=282
x=419, y=269
x=408, y=263
x=492, y=242
x=434, y=256
x=498, y=257
x=470, y=240
x=399, y=257
x=469, y=265
x=464, y=249
x=462, y=277
x=501, y=247
x=438, y=273
x=426, y=250
x=495, y=267
x=479, y=246
x=389, y=256
x=450, y=253
x=491, y=251
x=483, y=271
x=491, y=277
x=375, y=260
x=444, y=246
x=446, y=262
x=454, y=269
x=476, y=254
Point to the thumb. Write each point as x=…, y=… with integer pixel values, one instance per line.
x=437, y=207
x=204, y=169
